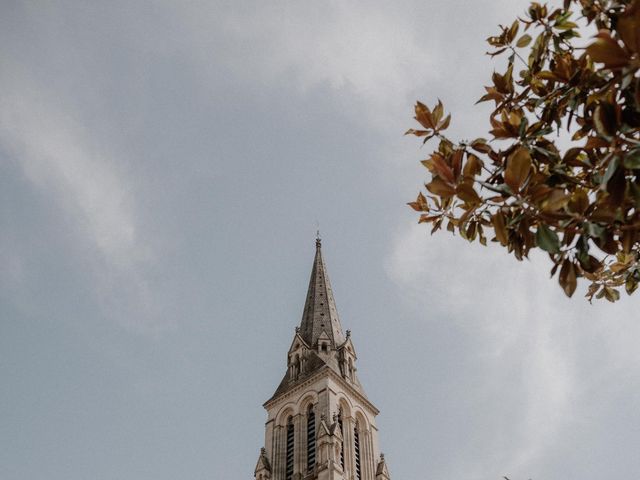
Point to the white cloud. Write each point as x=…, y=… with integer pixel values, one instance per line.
x=55, y=153
x=373, y=55
x=378, y=53
x=523, y=328
x=59, y=156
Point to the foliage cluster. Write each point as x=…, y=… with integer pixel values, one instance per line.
x=577, y=198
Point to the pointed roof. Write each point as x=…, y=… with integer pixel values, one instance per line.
x=263, y=462
x=323, y=429
x=320, y=321
x=320, y=313
x=382, y=472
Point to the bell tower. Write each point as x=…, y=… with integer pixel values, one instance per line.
x=320, y=423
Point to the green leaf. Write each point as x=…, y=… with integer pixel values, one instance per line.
x=547, y=239
x=611, y=294
x=611, y=169
x=566, y=25
x=594, y=230
x=632, y=159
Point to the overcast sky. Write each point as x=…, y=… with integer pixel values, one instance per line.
x=163, y=167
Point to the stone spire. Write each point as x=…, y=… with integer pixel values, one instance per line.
x=320, y=313
x=319, y=342
x=320, y=383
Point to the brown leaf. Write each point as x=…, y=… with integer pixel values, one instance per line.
x=628, y=27
x=456, y=162
x=481, y=145
x=556, y=200
x=427, y=218
x=445, y=123
x=618, y=267
x=603, y=213
x=539, y=192
x=611, y=294
x=546, y=75
x=438, y=111
x=467, y=193
x=579, y=202
x=417, y=133
x=572, y=156
x=616, y=187
x=518, y=168
x=436, y=225
x=583, y=132
x=523, y=41
x=471, y=231
x=604, y=120
x=606, y=50
x=607, y=244
x=499, y=227
x=438, y=187
x=513, y=31
x=628, y=240
x=567, y=278
x=441, y=168
x=423, y=116
x=420, y=205
x=500, y=82
x=595, y=142
x=473, y=166
x=492, y=94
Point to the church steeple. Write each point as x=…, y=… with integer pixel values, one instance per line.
x=301, y=442
x=319, y=342
x=320, y=313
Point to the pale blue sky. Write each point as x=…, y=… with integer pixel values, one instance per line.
x=163, y=166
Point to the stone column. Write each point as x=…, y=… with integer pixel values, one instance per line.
x=323, y=407
x=298, y=446
x=367, y=461
x=279, y=452
x=349, y=451
x=268, y=440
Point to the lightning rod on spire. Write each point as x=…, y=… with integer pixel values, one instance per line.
x=318, y=238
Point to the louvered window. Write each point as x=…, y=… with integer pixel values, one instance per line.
x=290, y=445
x=342, y=443
x=356, y=444
x=311, y=439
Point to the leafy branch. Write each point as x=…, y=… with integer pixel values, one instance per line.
x=580, y=204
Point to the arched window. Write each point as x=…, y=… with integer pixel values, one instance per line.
x=311, y=439
x=290, y=445
x=356, y=444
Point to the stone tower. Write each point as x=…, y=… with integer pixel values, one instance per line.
x=320, y=425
